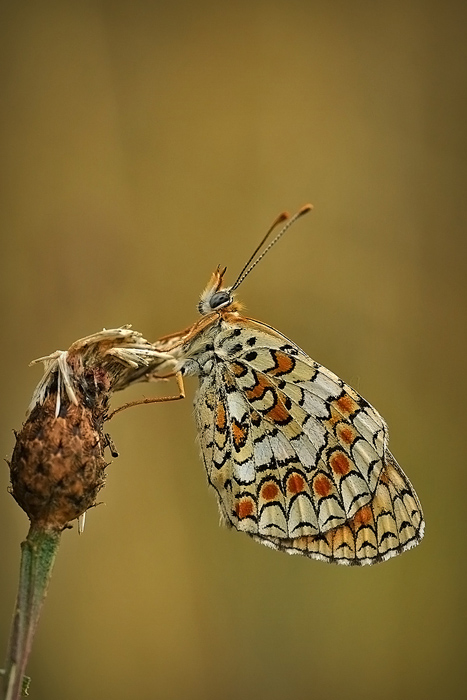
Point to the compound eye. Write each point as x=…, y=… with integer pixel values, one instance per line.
x=219, y=299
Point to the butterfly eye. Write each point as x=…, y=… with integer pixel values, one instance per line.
x=219, y=299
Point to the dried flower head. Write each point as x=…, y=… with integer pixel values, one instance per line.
x=58, y=464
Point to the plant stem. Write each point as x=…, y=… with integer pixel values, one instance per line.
x=37, y=559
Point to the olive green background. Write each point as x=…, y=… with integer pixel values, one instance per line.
x=142, y=144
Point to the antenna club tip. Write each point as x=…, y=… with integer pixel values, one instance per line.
x=305, y=209
x=283, y=216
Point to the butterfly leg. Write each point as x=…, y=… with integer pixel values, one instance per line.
x=108, y=442
x=155, y=399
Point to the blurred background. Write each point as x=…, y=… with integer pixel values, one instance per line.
x=144, y=143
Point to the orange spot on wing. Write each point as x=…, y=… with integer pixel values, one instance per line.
x=362, y=517
x=244, y=508
x=220, y=417
x=258, y=390
x=346, y=434
x=339, y=463
x=269, y=491
x=284, y=363
x=278, y=413
x=322, y=486
x=239, y=434
x=346, y=404
x=295, y=483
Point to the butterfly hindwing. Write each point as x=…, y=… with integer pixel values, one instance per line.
x=390, y=524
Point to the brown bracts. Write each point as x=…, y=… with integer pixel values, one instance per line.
x=58, y=464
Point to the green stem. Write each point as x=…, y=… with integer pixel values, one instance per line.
x=37, y=559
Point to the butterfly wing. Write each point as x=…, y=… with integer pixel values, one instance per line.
x=299, y=460
x=391, y=523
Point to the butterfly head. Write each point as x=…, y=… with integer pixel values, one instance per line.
x=215, y=296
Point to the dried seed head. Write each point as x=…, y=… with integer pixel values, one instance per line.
x=58, y=464
x=123, y=354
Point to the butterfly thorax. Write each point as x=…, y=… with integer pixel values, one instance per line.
x=212, y=340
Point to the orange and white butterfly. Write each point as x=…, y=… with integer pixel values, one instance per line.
x=298, y=459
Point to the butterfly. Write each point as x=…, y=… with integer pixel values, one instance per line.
x=298, y=459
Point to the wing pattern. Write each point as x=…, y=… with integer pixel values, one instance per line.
x=299, y=460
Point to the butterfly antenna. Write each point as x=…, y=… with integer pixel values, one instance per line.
x=282, y=217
